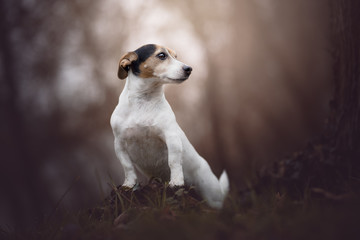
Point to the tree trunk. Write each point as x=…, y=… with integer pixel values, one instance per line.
x=343, y=129
x=332, y=162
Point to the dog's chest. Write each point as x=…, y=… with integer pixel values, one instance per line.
x=147, y=150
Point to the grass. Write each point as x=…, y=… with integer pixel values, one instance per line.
x=156, y=211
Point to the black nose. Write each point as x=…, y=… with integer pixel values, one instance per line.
x=187, y=69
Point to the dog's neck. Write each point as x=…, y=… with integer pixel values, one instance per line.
x=139, y=89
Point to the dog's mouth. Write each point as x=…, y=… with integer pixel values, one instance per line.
x=178, y=79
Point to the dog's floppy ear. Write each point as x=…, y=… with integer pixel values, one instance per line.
x=124, y=64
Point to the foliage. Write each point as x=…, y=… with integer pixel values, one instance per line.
x=155, y=211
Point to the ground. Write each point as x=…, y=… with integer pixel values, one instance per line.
x=156, y=211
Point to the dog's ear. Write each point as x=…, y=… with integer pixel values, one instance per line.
x=172, y=53
x=124, y=64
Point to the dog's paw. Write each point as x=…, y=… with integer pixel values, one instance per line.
x=125, y=188
x=128, y=185
x=176, y=184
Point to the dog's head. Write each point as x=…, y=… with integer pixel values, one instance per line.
x=155, y=62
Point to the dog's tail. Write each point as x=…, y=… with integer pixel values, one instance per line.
x=224, y=183
x=214, y=190
x=219, y=190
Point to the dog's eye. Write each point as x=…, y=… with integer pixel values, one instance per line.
x=162, y=56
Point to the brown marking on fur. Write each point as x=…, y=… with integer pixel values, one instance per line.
x=147, y=68
x=172, y=53
x=124, y=64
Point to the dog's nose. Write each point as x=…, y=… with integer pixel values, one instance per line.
x=187, y=69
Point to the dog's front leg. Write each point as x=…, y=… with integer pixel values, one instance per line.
x=129, y=170
x=174, y=146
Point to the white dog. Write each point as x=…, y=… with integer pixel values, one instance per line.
x=147, y=136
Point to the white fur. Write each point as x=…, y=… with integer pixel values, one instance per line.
x=148, y=138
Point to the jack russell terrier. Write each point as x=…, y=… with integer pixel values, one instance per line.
x=147, y=137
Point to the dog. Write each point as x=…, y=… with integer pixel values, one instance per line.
x=148, y=140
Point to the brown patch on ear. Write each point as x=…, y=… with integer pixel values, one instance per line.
x=124, y=64
x=172, y=52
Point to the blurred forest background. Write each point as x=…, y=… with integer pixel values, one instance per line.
x=259, y=90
